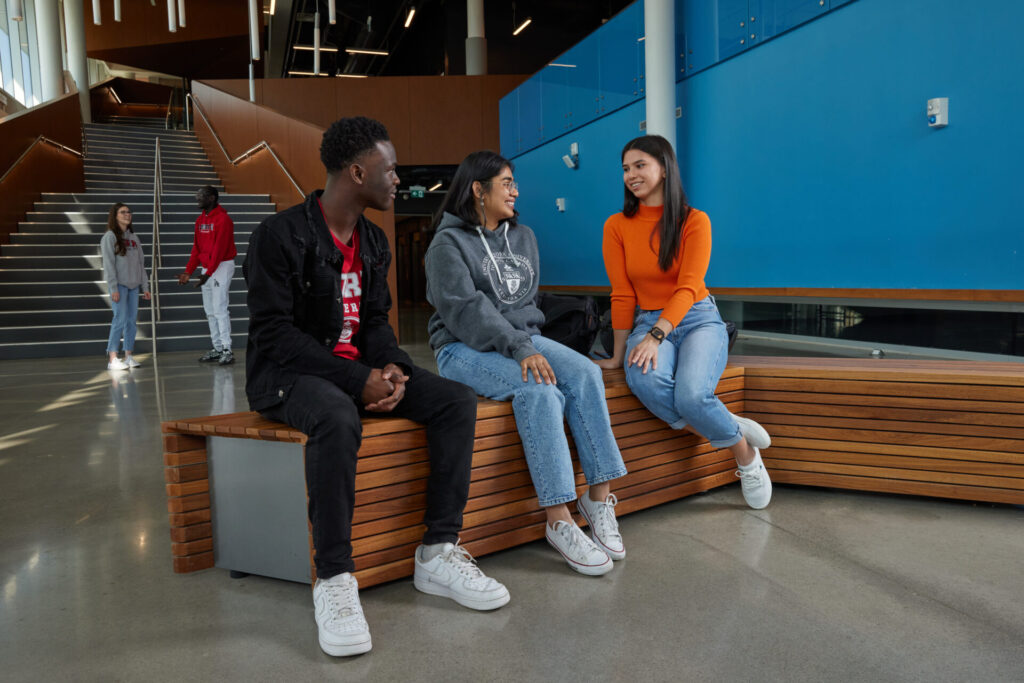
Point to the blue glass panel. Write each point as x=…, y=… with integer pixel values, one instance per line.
x=554, y=99
x=582, y=83
x=700, y=23
x=530, y=123
x=779, y=16
x=621, y=71
x=508, y=123
x=734, y=33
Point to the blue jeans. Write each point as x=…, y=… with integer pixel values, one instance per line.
x=539, y=411
x=126, y=310
x=681, y=391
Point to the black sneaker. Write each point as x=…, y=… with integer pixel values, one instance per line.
x=211, y=356
x=226, y=357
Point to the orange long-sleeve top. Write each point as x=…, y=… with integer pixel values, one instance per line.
x=631, y=259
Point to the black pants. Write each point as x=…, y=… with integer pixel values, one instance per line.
x=331, y=421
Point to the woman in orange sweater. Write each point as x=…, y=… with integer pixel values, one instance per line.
x=667, y=329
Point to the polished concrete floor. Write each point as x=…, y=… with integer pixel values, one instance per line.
x=820, y=586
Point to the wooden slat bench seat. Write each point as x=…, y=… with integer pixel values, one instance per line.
x=934, y=428
x=502, y=511
x=951, y=429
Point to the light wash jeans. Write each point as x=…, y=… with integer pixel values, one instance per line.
x=215, y=304
x=681, y=391
x=126, y=311
x=539, y=411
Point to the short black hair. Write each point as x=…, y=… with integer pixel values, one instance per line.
x=346, y=139
x=210, y=191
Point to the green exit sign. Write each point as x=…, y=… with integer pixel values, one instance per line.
x=417, y=191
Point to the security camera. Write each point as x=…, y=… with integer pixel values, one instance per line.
x=568, y=160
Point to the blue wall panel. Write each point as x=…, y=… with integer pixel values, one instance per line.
x=570, y=242
x=813, y=158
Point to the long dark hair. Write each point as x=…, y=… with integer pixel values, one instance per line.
x=120, y=248
x=477, y=167
x=676, y=209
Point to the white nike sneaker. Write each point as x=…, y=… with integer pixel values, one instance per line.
x=453, y=574
x=343, y=630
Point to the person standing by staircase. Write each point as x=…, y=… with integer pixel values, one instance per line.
x=214, y=249
x=124, y=270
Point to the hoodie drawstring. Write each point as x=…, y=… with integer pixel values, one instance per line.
x=508, y=246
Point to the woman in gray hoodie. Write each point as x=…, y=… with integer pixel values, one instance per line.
x=482, y=277
x=124, y=270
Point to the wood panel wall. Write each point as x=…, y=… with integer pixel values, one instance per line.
x=46, y=168
x=241, y=125
x=431, y=119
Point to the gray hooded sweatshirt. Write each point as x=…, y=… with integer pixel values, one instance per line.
x=483, y=284
x=128, y=270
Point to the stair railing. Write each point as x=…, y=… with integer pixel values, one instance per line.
x=168, y=121
x=154, y=280
x=262, y=144
x=39, y=139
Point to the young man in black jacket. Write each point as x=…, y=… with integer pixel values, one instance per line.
x=321, y=353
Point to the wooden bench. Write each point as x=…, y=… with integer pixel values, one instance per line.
x=951, y=429
x=502, y=511
x=935, y=428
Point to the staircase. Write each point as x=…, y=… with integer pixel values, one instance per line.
x=53, y=300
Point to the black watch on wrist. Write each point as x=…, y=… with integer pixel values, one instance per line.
x=657, y=333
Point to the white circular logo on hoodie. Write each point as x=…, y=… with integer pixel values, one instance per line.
x=513, y=280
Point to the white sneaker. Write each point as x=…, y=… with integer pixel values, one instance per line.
x=453, y=574
x=754, y=481
x=754, y=433
x=117, y=364
x=604, y=528
x=343, y=630
x=132, y=363
x=579, y=551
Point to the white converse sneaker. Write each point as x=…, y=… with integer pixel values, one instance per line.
x=117, y=364
x=339, y=616
x=453, y=574
x=754, y=433
x=604, y=528
x=754, y=481
x=579, y=551
x=132, y=363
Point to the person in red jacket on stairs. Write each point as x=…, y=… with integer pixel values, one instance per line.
x=214, y=249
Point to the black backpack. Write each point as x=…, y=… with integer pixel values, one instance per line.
x=569, y=320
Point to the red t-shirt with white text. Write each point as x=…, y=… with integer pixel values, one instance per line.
x=351, y=293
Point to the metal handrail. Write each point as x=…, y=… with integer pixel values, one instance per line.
x=262, y=144
x=39, y=138
x=170, y=102
x=154, y=281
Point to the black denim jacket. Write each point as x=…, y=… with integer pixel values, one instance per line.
x=293, y=272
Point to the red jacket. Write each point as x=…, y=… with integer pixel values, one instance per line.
x=214, y=241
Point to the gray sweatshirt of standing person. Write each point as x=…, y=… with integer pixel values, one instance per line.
x=128, y=270
x=483, y=284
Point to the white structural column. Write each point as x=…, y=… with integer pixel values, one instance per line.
x=476, y=43
x=659, y=70
x=254, y=30
x=51, y=72
x=78, y=65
